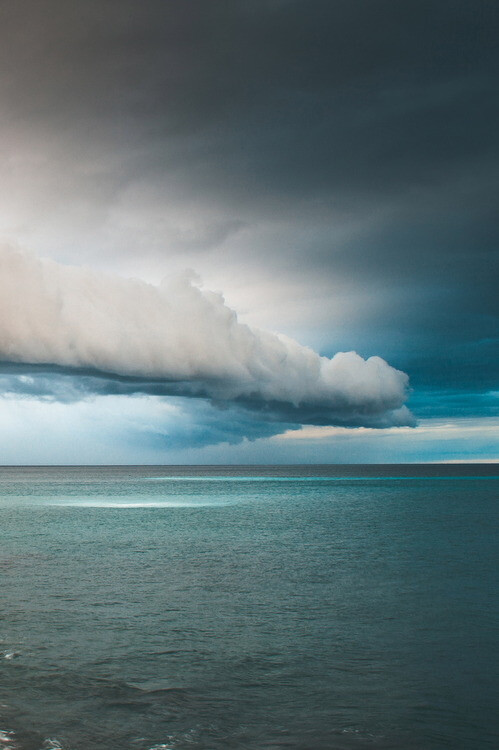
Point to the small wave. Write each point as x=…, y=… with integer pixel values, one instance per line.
x=10, y=654
x=51, y=744
x=7, y=740
x=155, y=686
x=174, y=741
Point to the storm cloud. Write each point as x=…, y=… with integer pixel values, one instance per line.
x=348, y=148
x=177, y=339
x=331, y=165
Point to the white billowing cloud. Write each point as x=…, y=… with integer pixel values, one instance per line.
x=176, y=338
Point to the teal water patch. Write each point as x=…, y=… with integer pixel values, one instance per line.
x=242, y=615
x=236, y=478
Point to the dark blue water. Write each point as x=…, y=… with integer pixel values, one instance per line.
x=198, y=608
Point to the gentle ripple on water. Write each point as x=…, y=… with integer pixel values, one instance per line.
x=248, y=608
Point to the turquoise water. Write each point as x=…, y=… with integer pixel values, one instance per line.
x=249, y=608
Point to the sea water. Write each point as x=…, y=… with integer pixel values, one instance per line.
x=255, y=608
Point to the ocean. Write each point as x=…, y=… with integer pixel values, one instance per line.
x=249, y=608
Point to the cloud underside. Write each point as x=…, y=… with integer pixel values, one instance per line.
x=67, y=333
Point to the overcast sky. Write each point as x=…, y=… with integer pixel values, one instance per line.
x=330, y=167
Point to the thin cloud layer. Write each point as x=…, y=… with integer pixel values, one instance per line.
x=126, y=336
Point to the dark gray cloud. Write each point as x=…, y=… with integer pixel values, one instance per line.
x=348, y=147
x=301, y=100
x=175, y=422
x=163, y=418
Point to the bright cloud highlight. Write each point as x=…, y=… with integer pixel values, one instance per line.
x=127, y=336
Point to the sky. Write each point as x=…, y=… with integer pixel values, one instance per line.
x=248, y=232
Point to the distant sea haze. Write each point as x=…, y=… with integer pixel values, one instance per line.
x=249, y=607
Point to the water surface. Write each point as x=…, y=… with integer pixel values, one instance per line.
x=249, y=608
